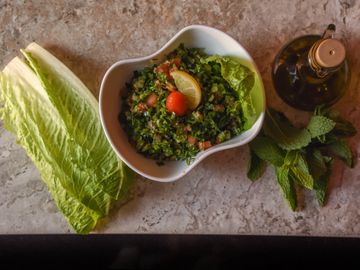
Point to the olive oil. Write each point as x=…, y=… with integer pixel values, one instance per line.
x=311, y=70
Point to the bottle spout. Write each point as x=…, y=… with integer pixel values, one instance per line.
x=329, y=31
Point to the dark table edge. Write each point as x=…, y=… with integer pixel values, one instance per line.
x=178, y=251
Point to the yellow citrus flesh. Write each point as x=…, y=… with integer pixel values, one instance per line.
x=188, y=86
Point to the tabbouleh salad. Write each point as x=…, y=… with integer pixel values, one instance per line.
x=186, y=104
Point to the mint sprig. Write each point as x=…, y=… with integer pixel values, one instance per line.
x=279, y=128
x=302, y=157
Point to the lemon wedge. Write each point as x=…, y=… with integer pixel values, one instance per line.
x=188, y=86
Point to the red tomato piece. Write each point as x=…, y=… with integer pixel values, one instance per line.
x=176, y=102
x=176, y=61
x=164, y=68
x=142, y=107
x=151, y=100
x=191, y=140
x=204, y=145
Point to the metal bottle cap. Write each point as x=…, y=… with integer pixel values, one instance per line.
x=330, y=53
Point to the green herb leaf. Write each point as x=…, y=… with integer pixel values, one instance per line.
x=302, y=178
x=266, y=149
x=343, y=128
x=317, y=163
x=320, y=188
x=287, y=186
x=256, y=167
x=341, y=150
x=320, y=168
x=304, y=163
x=320, y=125
x=291, y=158
x=300, y=173
x=278, y=127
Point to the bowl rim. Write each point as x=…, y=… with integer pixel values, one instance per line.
x=206, y=153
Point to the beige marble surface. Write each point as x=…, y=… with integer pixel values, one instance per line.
x=215, y=197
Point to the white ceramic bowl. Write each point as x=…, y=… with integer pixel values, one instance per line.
x=113, y=84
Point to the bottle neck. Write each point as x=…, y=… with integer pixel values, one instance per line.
x=312, y=69
x=308, y=73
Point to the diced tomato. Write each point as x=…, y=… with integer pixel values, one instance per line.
x=151, y=100
x=176, y=61
x=174, y=68
x=164, y=68
x=142, y=107
x=204, y=145
x=176, y=102
x=191, y=140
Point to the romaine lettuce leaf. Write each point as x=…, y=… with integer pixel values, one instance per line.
x=241, y=79
x=55, y=118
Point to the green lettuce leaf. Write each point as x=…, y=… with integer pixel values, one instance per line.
x=241, y=79
x=55, y=118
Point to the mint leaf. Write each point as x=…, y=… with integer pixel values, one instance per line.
x=320, y=125
x=300, y=173
x=320, y=188
x=287, y=186
x=278, y=127
x=317, y=164
x=302, y=163
x=299, y=169
x=343, y=128
x=321, y=183
x=291, y=158
x=320, y=169
x=302, y=178
x=341, y=150
x=256, y=167
x=266, y=149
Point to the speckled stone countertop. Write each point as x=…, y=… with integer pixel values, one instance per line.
x=216, y=196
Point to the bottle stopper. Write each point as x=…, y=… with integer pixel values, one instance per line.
x=327, y=54
x=330, y=53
